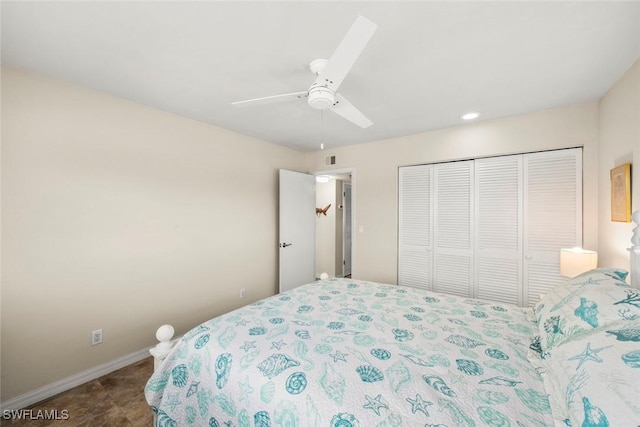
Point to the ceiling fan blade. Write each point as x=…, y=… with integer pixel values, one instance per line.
x=346, y=53
x=271, y=99
x=345, y=109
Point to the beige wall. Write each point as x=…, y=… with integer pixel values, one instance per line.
x=619, y=143
x=118, y=216
x=376, y=165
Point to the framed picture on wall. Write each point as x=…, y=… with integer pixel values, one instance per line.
x=621, y=193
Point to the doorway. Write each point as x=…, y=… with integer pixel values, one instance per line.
x=334, y=219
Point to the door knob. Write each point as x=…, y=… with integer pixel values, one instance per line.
x=284, y=245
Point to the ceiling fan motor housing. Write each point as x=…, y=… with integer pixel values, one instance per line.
x=321, y=97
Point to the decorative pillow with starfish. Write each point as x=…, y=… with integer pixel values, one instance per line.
x=587, y=303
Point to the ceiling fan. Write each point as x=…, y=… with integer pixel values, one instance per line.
x=330, y=73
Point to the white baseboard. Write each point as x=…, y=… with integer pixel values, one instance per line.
x=68, y=383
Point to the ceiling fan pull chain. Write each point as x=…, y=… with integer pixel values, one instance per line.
x=322, y=129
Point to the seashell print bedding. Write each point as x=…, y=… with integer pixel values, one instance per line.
x=343, y=352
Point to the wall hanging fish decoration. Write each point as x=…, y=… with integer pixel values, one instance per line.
x=323, y=211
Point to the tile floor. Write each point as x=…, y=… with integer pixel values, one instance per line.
x=113, y=400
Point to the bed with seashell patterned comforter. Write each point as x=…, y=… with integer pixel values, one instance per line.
x=345, y=352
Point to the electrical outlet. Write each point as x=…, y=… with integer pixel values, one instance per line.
x=96, y=337
x=243, y=293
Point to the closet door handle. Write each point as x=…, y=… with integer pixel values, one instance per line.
x=284, y=245
x=528, y=256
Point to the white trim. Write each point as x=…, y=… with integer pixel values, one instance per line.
x=75, y=380
x=344, y=223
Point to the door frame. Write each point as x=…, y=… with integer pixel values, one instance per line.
x=344, y=221
x=352, y=172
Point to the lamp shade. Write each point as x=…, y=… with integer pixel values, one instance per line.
x=577, y=260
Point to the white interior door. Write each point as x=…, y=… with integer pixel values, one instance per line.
x=498, y=229
x=453, y=228
x=297, y=229
x=553, y=216
x=415, y=226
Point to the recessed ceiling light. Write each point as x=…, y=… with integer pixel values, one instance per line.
x=470, y=116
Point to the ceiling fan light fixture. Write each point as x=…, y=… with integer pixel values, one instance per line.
x=321, y=98
x=317, y=65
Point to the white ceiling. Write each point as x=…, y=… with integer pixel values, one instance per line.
x=427, y=63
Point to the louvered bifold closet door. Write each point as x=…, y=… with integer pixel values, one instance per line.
x=552, y=216
x=415, y=226
x=498, y=228
x=453, y=228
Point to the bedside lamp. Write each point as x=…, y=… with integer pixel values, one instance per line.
x=577, y=260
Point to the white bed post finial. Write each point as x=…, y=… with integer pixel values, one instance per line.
x=162, y=349
x=635, y=251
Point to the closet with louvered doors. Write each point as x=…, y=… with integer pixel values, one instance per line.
x=489, y=228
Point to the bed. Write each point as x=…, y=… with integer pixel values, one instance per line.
x=346, y=353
